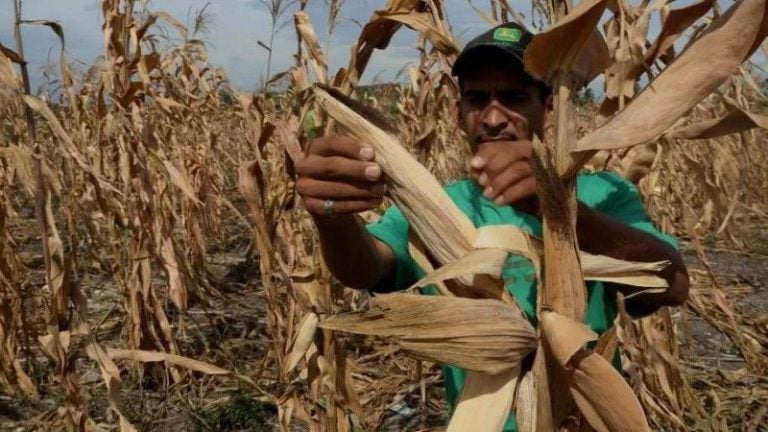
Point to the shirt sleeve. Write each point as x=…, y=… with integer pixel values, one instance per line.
x=392, y=229
x=621, y=201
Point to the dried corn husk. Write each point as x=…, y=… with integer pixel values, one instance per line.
x=598, y=389
x=496, y=241
x=482, y=398
x=480, y=335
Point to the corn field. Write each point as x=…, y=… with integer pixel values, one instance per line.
x=158, y=271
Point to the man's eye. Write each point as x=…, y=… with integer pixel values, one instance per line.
x=477, y=98
x=513, y=97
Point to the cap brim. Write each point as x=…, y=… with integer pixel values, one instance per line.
x=471, y=55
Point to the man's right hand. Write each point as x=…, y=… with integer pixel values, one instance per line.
x=339, y=169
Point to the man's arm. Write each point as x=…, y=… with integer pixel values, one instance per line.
x=354, y=256
x=602, y=235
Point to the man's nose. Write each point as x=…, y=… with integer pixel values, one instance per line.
x=494, y=120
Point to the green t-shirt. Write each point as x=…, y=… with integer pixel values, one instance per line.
x=604, y=191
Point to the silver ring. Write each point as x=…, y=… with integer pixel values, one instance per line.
x=328, y=208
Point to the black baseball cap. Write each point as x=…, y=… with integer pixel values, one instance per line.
x=509, y=39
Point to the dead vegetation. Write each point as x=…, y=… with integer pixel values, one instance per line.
x=130, y=298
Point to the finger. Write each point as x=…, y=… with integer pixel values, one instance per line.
x=503, y=158
x=309, y=187
x=317, y=206
x=485, y=152
x=518, y=191
x=480, y=177
x=495, y=156
x=506, y=178
x=338, y=168
x=342, y=145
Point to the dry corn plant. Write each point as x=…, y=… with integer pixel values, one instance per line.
x=139, y=189
x=131, y=171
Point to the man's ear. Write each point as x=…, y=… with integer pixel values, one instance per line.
x=457, y=110
x=551, y=102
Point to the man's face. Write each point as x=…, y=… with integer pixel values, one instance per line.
x=498, y=103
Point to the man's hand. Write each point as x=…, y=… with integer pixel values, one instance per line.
x=503, y=169
x=339, y=169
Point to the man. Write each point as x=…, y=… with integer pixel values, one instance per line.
x=500, y=109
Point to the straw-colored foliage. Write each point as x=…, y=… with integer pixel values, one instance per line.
x=151, y=237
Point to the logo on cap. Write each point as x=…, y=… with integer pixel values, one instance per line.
x=507, y=34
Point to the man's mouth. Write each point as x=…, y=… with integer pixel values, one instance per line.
x=483, y=140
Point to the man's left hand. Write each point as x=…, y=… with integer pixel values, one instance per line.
x=503, y=170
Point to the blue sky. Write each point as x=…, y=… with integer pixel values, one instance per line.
x=236, y=27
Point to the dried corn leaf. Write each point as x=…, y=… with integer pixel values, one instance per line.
x=607, y=269
x=307, y=33
x=165, y=16
x=176, y=360
x=378, y=32
x=600, y=392
x=11, y=54
x=594, y=267
x=675, y=23
x=733, y=122
x=416, y=251
x=506, y=237
x=304, y=339
x=592, y=60
x=481, y=261
x=480, y=335
x=176, y=287
x=527, y=401
x=69, y=146
x=424, y=24
x=569, y=35
x=8, y=77
x=49, y=345
x=111, y=376
x=761, y=35
x=704, y=66
x=21, y=160
x=180, y=179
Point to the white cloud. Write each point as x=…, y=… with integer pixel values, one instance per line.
x=237, y=26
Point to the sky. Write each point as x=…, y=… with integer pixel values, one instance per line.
x=232, y=37
x=235, y=28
